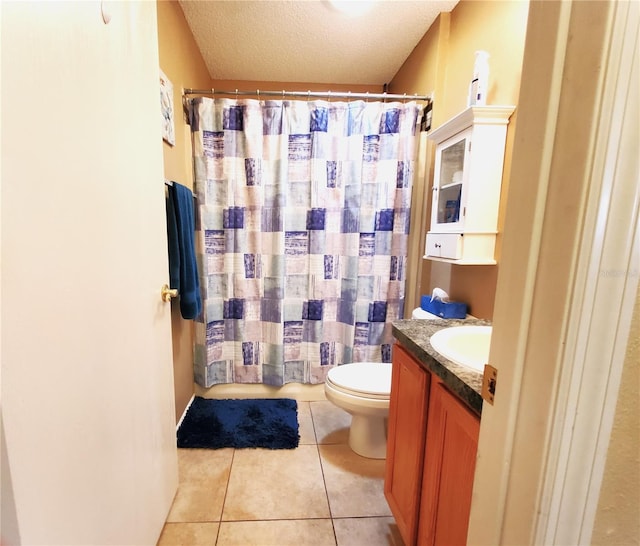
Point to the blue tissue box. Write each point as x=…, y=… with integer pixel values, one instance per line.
x=452, y=309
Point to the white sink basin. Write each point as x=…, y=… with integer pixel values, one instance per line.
x=465, y=345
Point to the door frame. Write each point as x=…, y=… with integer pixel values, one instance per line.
x=606, y=278
x=566, y=292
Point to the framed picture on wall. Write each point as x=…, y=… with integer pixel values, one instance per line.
x=166, y=105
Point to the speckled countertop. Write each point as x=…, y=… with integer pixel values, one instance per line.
x=414, y=336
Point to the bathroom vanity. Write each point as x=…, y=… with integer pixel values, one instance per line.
x=434, y=422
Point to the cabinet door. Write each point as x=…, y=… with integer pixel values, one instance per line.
x=444, y=245
x=405, y=441
x=450, y=177
x=449, y=466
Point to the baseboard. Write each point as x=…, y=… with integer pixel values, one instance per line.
x=185, y=411
x=297, y=391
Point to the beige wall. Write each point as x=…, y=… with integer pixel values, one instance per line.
x=430, y=68
x=618, y=517
x=442, y=63
x=182, y=63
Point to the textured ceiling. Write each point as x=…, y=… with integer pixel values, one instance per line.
x=308, y=41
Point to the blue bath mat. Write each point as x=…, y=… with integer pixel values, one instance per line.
x=256, y=422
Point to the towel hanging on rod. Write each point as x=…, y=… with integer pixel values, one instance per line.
x=183, y=269
x=168, y=182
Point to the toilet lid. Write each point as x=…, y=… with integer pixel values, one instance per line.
x=419, y=313
x=371, y=379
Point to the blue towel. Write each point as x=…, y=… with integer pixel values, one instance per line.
x=184, y=264
x=174, y=248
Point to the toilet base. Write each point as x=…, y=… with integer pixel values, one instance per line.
x=368, y=436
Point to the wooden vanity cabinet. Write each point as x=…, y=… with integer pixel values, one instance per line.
x=431, y=451
x=405, y=441
x=449, y=466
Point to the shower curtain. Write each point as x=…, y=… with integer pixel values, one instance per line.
x=303, y=217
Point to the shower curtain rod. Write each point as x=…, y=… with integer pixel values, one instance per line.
x=309, y=94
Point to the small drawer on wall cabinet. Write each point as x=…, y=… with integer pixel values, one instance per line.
x=444, y=245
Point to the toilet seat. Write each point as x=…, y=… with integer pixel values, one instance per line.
x=370, y=380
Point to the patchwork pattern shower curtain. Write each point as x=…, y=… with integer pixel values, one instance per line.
x=303, y=217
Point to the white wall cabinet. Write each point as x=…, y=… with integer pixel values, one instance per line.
x=466, y=185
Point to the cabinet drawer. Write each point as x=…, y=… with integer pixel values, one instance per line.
x=444, y=245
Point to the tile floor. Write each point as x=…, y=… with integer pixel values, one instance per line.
x=320, y=493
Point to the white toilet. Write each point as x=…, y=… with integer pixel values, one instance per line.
x=419, y=313
x=363, y=389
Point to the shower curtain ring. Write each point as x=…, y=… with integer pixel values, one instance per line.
x=308, y=94
x=236, y=93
